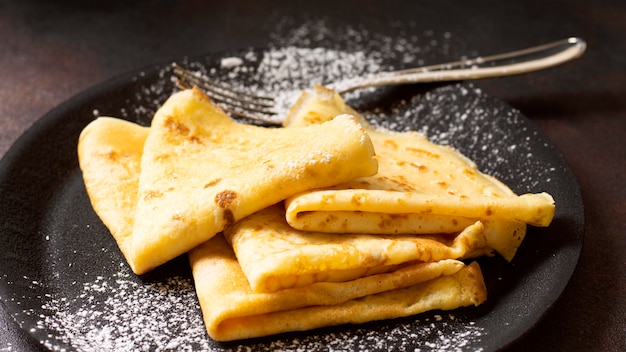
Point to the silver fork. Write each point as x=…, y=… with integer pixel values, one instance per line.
x=262, y=108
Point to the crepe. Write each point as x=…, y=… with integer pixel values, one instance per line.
x=231, y=310
x=274, y=256
x=201, y=171
x=420, y=188
x=109, y=152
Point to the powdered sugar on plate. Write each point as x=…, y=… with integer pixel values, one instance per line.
x=117, y=311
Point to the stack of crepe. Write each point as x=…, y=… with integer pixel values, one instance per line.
x=300, y=227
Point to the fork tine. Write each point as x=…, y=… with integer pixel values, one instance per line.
x=236, y=102
x=220, y=88
x=184, y=85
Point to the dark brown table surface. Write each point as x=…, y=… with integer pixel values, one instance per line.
x=50, y=51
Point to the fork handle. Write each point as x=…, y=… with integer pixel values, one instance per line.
x=506, y=64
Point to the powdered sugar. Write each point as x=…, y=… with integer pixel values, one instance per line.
x=230, y=62
x=118, y=313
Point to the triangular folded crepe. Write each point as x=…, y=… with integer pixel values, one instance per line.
x=233, y=311
x=274, y=256
x=201, y=171
x=420, y=188
x=109, y=152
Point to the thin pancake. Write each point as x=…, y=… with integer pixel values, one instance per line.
x=109, y=154
x=231, y=310
x=274, y=256
x=201, y=171
x=110, y=151
x=420, y=188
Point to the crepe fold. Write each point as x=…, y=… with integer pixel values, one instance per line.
x=110, y=152
x=200, y=171
x=420, y=188
x=274, y=256
x=232, y=311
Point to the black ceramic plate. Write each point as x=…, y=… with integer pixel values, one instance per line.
x=65, y=282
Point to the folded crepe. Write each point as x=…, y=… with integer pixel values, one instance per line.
x=201, y=171
x=274, y=256
x=111, y=151
x=420, y=188
x=232, y=311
